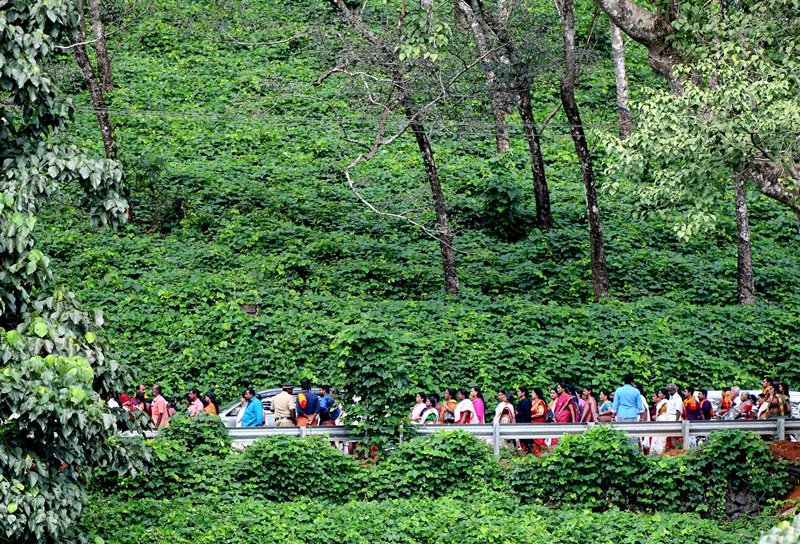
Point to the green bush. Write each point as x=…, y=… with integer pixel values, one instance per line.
x=192, y=456
x=448, y=462
x=670, y=484
x=284, y=468
x=482, y=519
x=200, y=435
x=739, y=473
x=594, y=469
x=732, y=473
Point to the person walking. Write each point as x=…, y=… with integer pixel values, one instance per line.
x=283, y=406
x=418, y=408
x=240, y=412
x=659, y=443
x=675, y=406
x=538, y=415
x=706, y=409
x=159, y=409
x=524, y=415
x=253, y=410
x=465, y=410
x=604, y=412
x=448, y=407
x=504, y=411
x=430, y=415
x=589, y=414
x=195, y=404
x=627, y=401
x=307, y=406
x=476, y=396
x=211, y=403
x=328, y=411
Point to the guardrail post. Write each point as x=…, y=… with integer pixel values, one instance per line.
x=685, y=433
x=496, y=438
x=401, y=434
x=302, y=432
x=781, y=428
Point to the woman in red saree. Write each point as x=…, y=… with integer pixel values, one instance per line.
x=538, y=415
x=564, y=410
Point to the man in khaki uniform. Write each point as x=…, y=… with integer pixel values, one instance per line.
x=283, y=406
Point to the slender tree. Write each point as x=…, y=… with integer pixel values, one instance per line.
x=479, y=33
x=566, y=10
x=96, y=84
x=746, y=289
x=621, y=79
x=388, y=57
x=100, y=47
x=520, y=83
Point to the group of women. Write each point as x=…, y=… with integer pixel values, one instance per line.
x=566, y=404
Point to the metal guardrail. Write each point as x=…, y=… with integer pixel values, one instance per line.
x=496, y=434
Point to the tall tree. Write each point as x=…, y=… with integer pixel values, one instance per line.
x=100, y=46
x=480, y=35
x=97, y=84
x=394, y=60
x=746, y=289
x=621, y=80
x=504, y=52
x=53, y=428
x=756, y=43
x=566, y=11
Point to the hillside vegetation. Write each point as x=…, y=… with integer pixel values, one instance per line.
x=234, y=161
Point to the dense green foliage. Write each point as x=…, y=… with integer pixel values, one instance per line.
x=53, y=426
x=434, y=489
x=238, y=199
x=435, y=465
x=483, y=519
x=597, y=470
x=286, y=469
x=234, y=164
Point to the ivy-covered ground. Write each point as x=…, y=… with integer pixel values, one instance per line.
x=235, y=165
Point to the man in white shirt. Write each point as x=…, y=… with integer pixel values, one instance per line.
x=674, y=404
x=674, y=412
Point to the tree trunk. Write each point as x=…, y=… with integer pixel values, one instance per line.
x=618, y=49
x=568, y=82
x=103, y=60
x=501, y=138
x=95, y=90
x=544, y=218
x=745, y=280
x=442, y=222
x=391, y=64
x=466, y=17
x=651, y=30
x=521, y=84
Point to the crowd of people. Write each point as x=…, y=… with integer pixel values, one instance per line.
x=564, y=403
x=160, y=408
